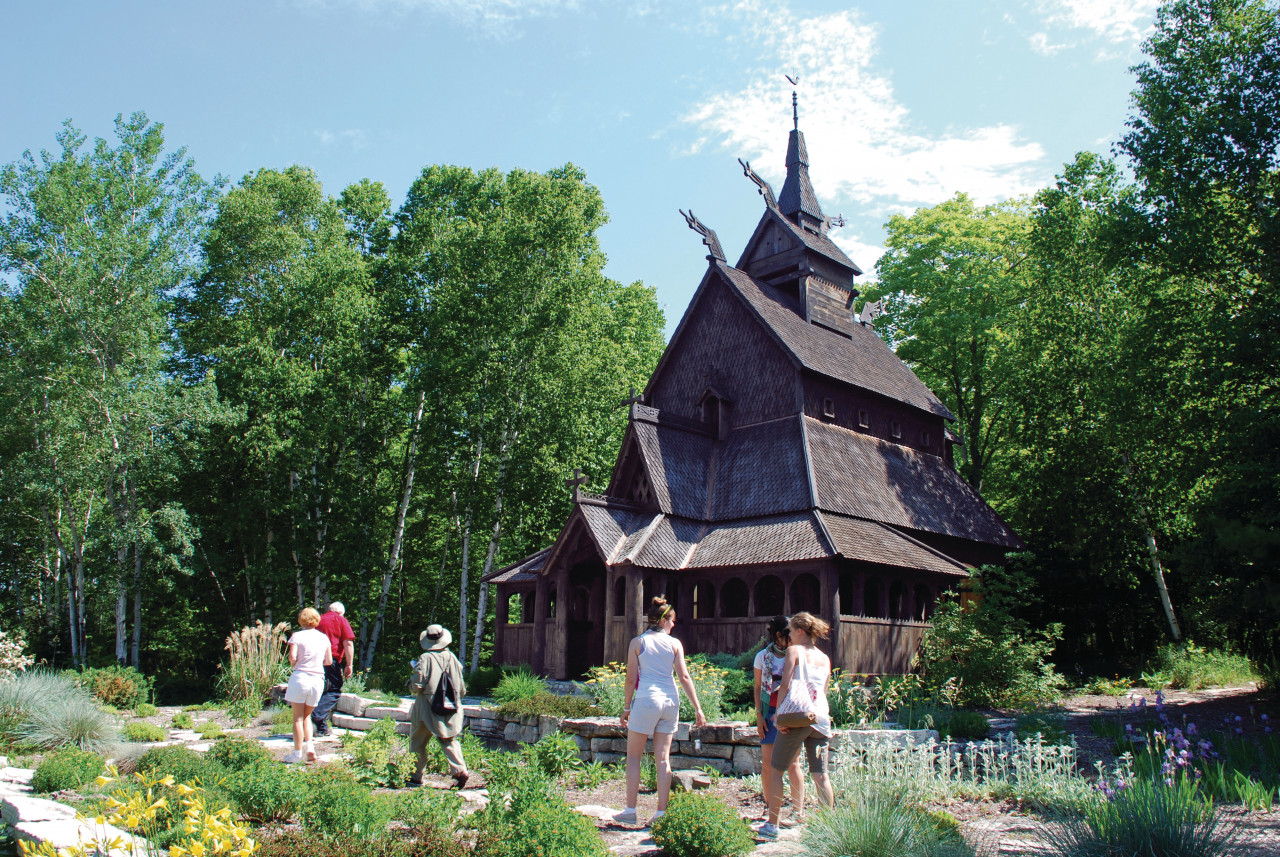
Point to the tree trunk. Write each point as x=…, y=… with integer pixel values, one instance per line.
x=397, y=532
x=1157, y=571
x=463, y=613
x=137, y=581
x=508, y=440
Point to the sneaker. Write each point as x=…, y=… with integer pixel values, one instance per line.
x=657, y=815
x=294, y=757
x=627, y=816
x=322, y=730
x=768, y=832
x=794, y=819
x=309, y=751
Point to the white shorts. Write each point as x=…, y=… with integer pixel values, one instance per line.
x=652, y=715
x=305, y=688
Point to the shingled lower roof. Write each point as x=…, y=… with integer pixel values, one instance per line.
x=864, y=477
x=526, y=570
x=869, y=541
x=861, y=358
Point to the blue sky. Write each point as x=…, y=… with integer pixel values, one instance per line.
x=903, y=103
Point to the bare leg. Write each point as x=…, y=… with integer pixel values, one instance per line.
x=775, y=793
x=825, y=794
x=662, y=756
x=766, y=758
x=795, y=773
x=635, y=751
x=308, y=732
x=300, y=715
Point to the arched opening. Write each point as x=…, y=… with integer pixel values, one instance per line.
x=733, y=599
x=652, y=589
x=896, y=593
x=581, y=604
x=770, y=596
x=806, y=594
x=871, y=598
x=528, y=614
x=704, y=600
x=848, y=591
x=620, y=597
x=924, y=603
x=515, y=608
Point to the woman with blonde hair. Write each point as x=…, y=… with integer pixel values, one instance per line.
x=652, y=707
x=811, y=668
x=309, y=653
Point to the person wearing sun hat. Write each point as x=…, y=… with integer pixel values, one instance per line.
x=436, y=663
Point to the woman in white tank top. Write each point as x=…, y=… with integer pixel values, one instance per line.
x=652, y=708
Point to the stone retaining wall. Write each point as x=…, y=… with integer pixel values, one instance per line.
x=729, y=747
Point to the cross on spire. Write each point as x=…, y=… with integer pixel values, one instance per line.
x=576, y=484
x=634, y=399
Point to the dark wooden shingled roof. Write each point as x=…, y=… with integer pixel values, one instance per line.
x=874, y=542
x=861, y=358
x=526, y=570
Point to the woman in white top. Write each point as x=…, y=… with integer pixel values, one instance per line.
x=309, y=653
x=808, y=664
x=652, y=707
x=768, y=678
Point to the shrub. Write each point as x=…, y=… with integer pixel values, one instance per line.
x=182, y=763
x=210, y=730
x=739, y=680
x=144, y=732
x=592, y=774
x=243, y=711
x=12, y=660
x=337, y=806
x=960, y=725
x=255, y=664
x=282, y=717
x=552, y=828
x=122, y=687
x=75, y=720
x=145, y=709
x=607, y=686
x=482, y=681
x=1051, y=726
x=555, y=753
x=519, y=685
x=183, y=720
x=236, y=754
x=878, y=824
x=549, y=704
x=1107, y=686
x=993, y=656
x=380, y=757
x=1191, y=667
x=267, y=791
x=409, y=843
x=68, y=768
x=1146, y=817
x=701, y=826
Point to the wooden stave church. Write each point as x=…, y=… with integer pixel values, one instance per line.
x=781, y=458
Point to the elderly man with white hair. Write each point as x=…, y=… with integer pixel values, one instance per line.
x=335, y=626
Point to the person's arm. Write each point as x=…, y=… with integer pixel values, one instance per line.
x=348, y=658
x=328, y=654
x=686, y=681
x=760, y=709
x=633, y=670
x=293, y=654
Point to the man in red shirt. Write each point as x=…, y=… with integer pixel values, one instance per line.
x=335, y=626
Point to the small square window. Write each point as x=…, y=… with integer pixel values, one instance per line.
x=895, y=429
x=864, y=419
x=828, y=408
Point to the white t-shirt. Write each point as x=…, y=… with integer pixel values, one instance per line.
x=771, y=677
x=312, y=646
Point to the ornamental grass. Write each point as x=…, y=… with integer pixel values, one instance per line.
x=257, y=661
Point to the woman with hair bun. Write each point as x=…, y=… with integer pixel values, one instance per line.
x=768, y=678
x=652, y=707
x=807, y=664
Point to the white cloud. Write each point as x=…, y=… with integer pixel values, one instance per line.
x=1040, y=44
x=352, y=137
x=1114, y=20
x=489, y=14
x=859, y=136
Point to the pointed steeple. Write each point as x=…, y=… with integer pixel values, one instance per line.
x=797, y=200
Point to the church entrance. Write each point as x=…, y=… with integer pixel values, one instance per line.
x=586, y=617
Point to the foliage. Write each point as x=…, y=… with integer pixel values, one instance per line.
x=878, y=824
x=417, y=843
x=1191, y=667
x=210, y=729
x=986, y=649
x=380, y=757
x=1049, y=724
x=607, y=686
x=12, y=658
x=281, y=717
x=482, y=680
x=701, y=826
x=1100, y=686
x=243, y=711
x=961, y=725
x=138, y=731
x=337, y=805
x=183, y=720
x=75, y=721
x=552, y=828
x=123, y=687
x=549, y=705
x=555, y=754
x=181, y=763
x=256, y=662
x=236, y=753
x=1141, y=815
x=267, y=791
x=519, y=685
x=66, y=768
x=593, y=774
x=145, y=709
x=739, y=681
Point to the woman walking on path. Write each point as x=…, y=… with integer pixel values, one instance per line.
x=768, y=677
x=652, y=707
x=436, y=664
x=309, y=654
x=807, y=665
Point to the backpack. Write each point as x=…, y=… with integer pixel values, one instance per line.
x=444, y=702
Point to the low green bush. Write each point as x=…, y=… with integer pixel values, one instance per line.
x=701, y=826
x=380, y=757
x=482, y=681
x=145, y=709
x=962, y=725
x=77, y=721
x=879, y=824
x=67, y=768
x=182, y=763
x=593, y=774
x=405, y=843
x=1051, y=726
x=338, y=806
x=554, y=754
x=236, y=754
x=267, y=791
x=183, y=720
x=243, y=711
x=210, y=730
x=519, y=685
x=607, y=686
x=122, y=687
x=552, y=828
x=1192, y=667
x=739, y=679
x=1140, y=816
x=549, y=704
x=138, y=731
x=202, y=706
x=282, y=717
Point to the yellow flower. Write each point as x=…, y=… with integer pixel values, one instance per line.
x=184, y=789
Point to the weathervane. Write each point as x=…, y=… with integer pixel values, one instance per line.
x=795, y=101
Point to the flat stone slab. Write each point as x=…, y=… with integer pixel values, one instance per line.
x=399, y=712
x=364, y=724
x=16, y=809
x=16, y=775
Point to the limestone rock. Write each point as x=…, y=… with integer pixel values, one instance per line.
x=689, y=780
x=16, y=809
x=350, y=704
x=746, y=760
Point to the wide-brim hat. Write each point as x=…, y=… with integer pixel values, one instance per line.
x=435, y=637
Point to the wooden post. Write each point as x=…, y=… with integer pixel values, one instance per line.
x=560, y=638
x=541, y=601
x=635, y=588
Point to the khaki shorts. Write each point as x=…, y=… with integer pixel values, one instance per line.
x=649, y=716
x=787, y=747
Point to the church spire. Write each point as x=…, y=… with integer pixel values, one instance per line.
x=797, y=200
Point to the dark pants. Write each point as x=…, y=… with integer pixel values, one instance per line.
x=328, y=699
